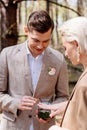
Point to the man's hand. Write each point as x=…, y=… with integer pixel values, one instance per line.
x=42, y=121
x=27, y=103
x=41, y=117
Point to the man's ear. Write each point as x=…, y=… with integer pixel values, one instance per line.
x=26, y=30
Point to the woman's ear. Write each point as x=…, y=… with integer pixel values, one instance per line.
x=26, y=30
x=75, y=43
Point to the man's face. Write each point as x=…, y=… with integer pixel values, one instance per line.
x=38, y=42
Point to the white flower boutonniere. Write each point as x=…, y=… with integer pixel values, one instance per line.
x=51, y=71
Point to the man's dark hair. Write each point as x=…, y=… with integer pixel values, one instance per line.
x=40, y=21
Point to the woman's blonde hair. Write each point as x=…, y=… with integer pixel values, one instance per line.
x=75, y=29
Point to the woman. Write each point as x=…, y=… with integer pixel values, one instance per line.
x=74, y=39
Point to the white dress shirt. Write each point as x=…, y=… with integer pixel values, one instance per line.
x=35, y=68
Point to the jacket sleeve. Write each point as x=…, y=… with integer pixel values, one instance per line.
x=7, y=103
x=75, y=117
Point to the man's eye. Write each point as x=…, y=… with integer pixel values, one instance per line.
x=36, y=40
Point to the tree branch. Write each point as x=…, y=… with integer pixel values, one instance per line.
x=3, y=4
x=18, y=1
x=65, y=7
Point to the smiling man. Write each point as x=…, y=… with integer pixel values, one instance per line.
x=25, y=76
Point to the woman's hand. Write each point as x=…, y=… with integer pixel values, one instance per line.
x=55, y=127
x=55, y=108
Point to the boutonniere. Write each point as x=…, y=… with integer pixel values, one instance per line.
x=51, y=71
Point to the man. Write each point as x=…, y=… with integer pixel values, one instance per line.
x=31, y=71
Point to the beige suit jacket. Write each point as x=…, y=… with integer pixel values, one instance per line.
x=15, y=82
x=75, y=116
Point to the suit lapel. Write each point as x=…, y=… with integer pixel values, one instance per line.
x=24, y=58
x=47, y=62
x=28, y=74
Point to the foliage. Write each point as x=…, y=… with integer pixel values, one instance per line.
x=59, y=10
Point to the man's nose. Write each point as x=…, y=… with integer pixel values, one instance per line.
x=40, y=45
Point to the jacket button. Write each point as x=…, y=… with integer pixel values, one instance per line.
x=30, y=116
